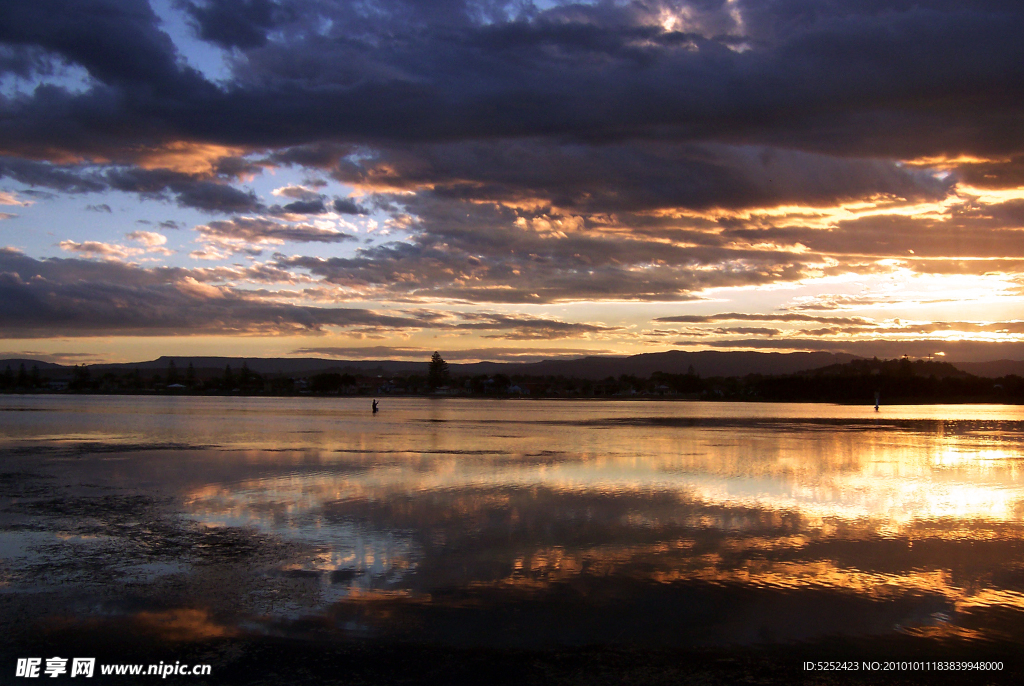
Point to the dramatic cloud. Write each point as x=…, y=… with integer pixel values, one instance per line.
x=763, y=73
x=488, y=253
x=784, y=159
x=346, y=206
x=188, y=190
x=41, y=298
x=529, y=328
x=741, y=317
x=256, y=231
x=634, y=176
x=237, y=23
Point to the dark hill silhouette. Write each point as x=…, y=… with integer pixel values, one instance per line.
x=15, y=362
x=705, y=363
x=904, y=367
x=994, y=369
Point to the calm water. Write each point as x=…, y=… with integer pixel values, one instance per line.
x=515, y=522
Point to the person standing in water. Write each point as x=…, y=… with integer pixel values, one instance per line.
x=375, y=406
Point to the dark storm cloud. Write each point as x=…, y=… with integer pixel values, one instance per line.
x=116, y=40
x=188, y=190
x=26, y=61
x=305, y=207
x=67, y=179
x=320, y=155
x=73, y=297
x=634, y=176
x=993, y=173
x=862, y=78
x=347, y=206
x=236, y=23
x=534, y=155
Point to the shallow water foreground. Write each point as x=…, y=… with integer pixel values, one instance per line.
x=569, y=532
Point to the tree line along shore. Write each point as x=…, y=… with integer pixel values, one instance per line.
x=858, y=381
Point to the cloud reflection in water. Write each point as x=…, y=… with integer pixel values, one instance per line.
x=519, y=523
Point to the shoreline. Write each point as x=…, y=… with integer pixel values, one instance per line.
x=896, y=402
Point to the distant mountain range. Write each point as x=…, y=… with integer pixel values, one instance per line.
x=704, y=363
x=994, y=369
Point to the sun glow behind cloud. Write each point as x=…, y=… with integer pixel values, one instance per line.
x=590, y=214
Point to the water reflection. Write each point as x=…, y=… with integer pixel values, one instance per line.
x=524, y=522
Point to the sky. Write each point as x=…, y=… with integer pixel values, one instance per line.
x=510, y=180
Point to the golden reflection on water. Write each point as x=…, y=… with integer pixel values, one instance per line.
x=727, y=500
x=431, y=504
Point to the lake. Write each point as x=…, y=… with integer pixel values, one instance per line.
x=512, y=523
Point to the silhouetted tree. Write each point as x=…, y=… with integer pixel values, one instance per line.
x=438, y=373
x=172, y=373
x=81, y=379
x=229, y=378
x=326, y=382
x=190, y=376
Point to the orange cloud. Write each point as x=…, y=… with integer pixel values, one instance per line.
x=186, y=157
